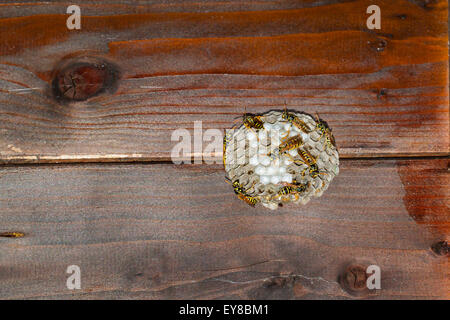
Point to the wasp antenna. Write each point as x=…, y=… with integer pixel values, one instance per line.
x=317, y=115
x=298, y=162
x=253, y=185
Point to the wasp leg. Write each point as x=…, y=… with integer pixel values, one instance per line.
x=303, y=172
x=254, y=132
x=321, y=136
x=321, y=187
x=252, y=186
x=292, y=158
x=285, y=137
x=275, y=153
x=287, y=134
x=297, y=161
x=227, y=180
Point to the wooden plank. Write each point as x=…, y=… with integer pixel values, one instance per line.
x=384, y=93
x=164, y=231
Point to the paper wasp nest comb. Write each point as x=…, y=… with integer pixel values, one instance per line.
x=280, y=157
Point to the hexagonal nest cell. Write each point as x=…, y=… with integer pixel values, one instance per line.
x=280, y=157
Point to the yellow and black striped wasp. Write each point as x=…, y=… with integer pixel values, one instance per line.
x=325, y=131
x=295, y=121
x=242, y=193
x=286, y=145
x=310, y=161
x=252, y=122
x=293, y=188
x=251, y=201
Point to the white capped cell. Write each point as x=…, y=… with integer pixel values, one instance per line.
x=262, y=135
x=287, y=178
x=271, y=170
x=267, y=126
x=304, y=136
x=293, y=152
x=287, y=162
x=276, y=163
x=254, y=161
x=260, y=170
x=277, y=127
x=263, y=150
x=253, y=143
x=264, y=160
x=293, y=133
x=275, y=179
x=264, y=179
x=281, y=170
x=251, y=136
x=287, y=126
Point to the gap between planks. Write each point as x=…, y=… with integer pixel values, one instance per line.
x=168, y=161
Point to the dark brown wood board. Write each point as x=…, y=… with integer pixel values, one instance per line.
x=383, y=92
x=138, y=233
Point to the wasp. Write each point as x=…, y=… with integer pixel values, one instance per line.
x=288, y=144
x=252, y=121
x=293, y=188
x=294, y=120
x=310, y=161
x=251, y=201
x=325, y=131
x=242, y=193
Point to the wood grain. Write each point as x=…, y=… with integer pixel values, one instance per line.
x=384, y=93
x=166, y=231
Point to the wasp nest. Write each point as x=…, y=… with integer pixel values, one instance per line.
x=280, y=157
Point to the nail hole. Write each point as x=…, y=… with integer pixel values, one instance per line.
x=382, y=93
x=378, y=45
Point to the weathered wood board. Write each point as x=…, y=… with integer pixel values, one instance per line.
x=138, y=233
x=383, y=92
x=157, y=230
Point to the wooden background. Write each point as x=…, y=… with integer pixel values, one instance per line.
x=149, y=229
